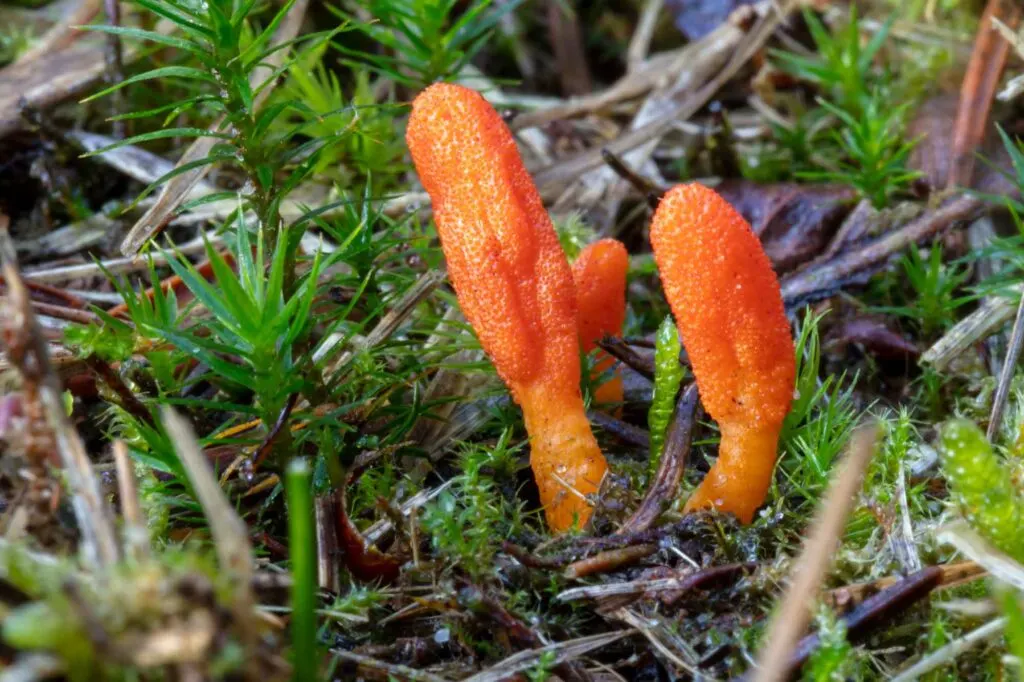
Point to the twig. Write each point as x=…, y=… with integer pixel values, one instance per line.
x=746, y=46
x=268, y=443
x=328, y=577
x=684, y=583
x=229, y=532
x=875, y=611
x=1006, y=376
x=624, y=431
x=64, y=313
x=115, y=62
x=387, y=325
x=641, y=40
x=990, y=315
x=523, y=556
x=53, y=292
x=988, y=59
x=952, y=650
x=651, y=192
x=116, y=265
x=377, y=531
x=562, y=651
x=647, y=628
x=792, y=618
x=50, y=75
x=609, y=560
x=22, y=332
x=824, y=279
x=975, y=547
x=849, y=596
x=670, y=469
x=399, y=672
x=567, y=44
x=61, y=34
x=127, y=399
x=136, y=537
x=624, y=353
x=473, y=598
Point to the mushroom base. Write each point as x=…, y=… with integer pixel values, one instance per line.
x=739, y=480
x=566, y=460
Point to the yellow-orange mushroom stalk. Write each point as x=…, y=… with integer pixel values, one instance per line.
x=726, y=300
x=513, y=283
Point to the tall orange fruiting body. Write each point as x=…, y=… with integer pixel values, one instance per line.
x=600, y=276
x=727, y=302
x=513, y=282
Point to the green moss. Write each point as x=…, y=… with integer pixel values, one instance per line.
x=982, y=486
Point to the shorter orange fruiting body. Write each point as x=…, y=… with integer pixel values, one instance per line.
x=726, y=298
x=600, y=276
x=513, y=282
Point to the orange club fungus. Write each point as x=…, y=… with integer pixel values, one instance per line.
x=513, y=283
x=600, y=276
x=727, y=302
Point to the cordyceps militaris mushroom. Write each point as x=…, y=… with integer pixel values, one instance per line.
x=726, y=299
x=513, y=283
x=600, y=276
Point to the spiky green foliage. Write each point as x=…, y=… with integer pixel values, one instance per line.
x=821, y=418
x=222, y=62
x=982, y=486
x=874, y=151
x=839, y=65
x=425, y=41
x=935, y=290
x=855, y=137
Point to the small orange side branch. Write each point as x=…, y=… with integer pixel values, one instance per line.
x=600, y=275
x=513, y=282
x=727, y=301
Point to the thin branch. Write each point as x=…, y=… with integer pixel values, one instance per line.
x=791, y=619
x=1006, y=376
x=670, y=469
x=949, y=652
x=136, y=536
x=22, y=331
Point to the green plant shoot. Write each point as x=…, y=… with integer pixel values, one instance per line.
x=982, y=486
x=668, y=375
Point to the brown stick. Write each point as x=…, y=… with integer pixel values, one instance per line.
x=791, y=619
x=621, y=351
x=873, y=612
x=824, y=279
x=22, y=334
x=609, y=560
x=984, y=71
x=670, y=470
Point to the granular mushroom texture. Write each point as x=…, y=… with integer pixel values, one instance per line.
x=727, y=303
x=600, y=276
x=513, y=283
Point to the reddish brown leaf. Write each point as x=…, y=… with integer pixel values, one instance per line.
x=795, y=222
x=875, y=337
x=932, y=155
x=984, y=71
x=364, y=561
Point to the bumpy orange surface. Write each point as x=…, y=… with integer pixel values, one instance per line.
x=726, y=300
x=513, y=283
x=600, y=275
